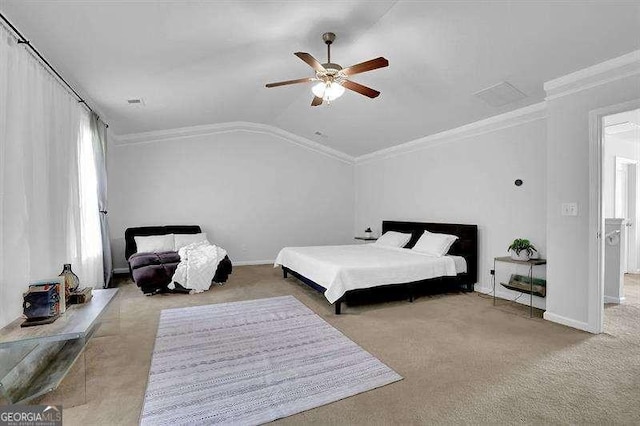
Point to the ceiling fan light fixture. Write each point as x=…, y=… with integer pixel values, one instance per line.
x=328, y=91
x=332, y=79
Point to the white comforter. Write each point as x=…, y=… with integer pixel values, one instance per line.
x=343, y=268
x=198, y=264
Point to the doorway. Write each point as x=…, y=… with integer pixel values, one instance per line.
x=625, y=195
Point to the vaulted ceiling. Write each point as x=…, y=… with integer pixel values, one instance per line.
x=206, y=62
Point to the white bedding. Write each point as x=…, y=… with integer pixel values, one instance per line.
x=461, y=263
x=343, y=268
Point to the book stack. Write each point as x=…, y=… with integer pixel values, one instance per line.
x=82, y=295
x=43, y=302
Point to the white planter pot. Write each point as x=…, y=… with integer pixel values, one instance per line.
x=523, y=256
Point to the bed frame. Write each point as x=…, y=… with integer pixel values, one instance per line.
x=466, y=246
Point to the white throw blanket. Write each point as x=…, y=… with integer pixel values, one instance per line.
x=198, y=264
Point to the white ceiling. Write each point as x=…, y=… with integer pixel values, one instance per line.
x=205, y=62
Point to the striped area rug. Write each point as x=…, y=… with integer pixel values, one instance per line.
x=252, y=362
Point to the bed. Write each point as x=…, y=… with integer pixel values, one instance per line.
x=152, y=272
x=340, y=272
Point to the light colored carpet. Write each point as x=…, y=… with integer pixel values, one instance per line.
x=463, y=361
x=251, y=362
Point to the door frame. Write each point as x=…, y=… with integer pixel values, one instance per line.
x=595, y=316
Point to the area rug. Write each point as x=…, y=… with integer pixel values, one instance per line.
x=252, y=362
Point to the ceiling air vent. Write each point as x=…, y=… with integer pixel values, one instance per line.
x=135, y=102
x=500, y=94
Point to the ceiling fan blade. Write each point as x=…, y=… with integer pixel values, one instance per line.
x=313, y=62
x=316, y=101
x=284, y=83
x=363, y=90
x=373, y=64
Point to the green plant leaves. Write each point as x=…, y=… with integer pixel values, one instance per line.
x=522, y=244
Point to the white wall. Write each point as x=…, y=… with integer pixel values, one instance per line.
x=569, y=294
x=466, y=180
x=253, y=193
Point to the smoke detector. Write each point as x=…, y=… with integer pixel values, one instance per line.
x=500, y=94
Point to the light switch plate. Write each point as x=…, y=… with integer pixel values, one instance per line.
x=569, y=209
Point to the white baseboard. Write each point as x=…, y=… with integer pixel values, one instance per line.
x=550, y=316
x=252, y=262
x=611, y=299
x=120, y=270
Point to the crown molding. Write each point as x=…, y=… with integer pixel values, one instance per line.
x=502, y=121
x=604, y=72
x=230, y=127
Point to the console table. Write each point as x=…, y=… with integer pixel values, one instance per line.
x=34, y=360
x=530, y=263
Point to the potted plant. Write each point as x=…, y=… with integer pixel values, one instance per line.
x=521, y=249
x=368, y=232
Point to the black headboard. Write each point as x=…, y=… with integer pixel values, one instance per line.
x=466, y=245
x=145, y=231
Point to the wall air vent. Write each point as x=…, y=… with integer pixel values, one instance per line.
x=135, y=102
x=500, y=94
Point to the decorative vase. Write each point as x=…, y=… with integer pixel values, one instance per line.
x=71, y=280
x=522, y=256
x=368, y=234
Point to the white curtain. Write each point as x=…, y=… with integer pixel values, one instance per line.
x=99, y=142
x=48, y=209
x=90, y=259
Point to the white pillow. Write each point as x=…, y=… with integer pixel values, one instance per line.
x=393, y=239
x=154, y=243
x=434, y=244
x=182, y=240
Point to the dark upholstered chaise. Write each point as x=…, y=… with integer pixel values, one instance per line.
x=152, y=272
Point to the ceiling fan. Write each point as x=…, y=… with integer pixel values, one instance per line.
x=332, y=78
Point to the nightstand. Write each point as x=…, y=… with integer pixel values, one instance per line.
x=366, y=239
x=528, y=263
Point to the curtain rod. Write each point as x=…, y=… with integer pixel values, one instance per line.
x=23, y=40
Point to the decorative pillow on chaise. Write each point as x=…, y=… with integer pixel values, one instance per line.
x=183, y=240
x=155, y=243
